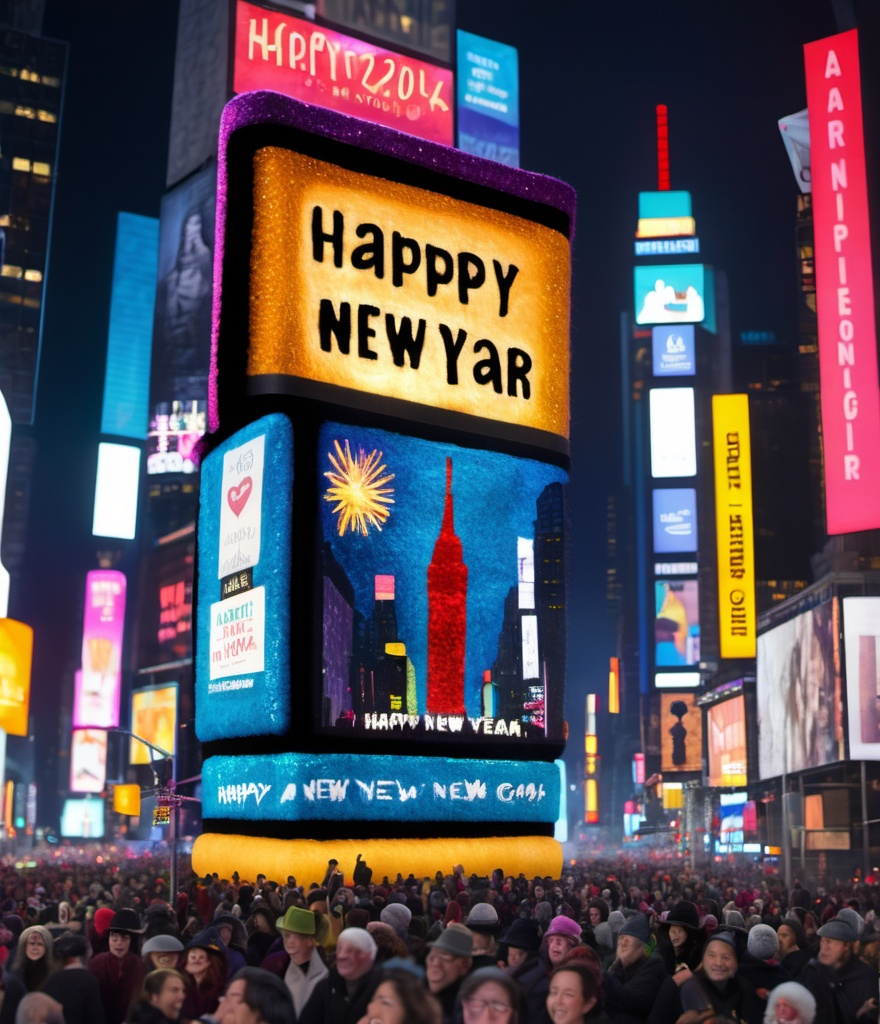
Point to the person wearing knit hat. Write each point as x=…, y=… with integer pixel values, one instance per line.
x=637, y=979
x=599, y=911
x=790, y=1003
x=854, y=918
x=398, y=917
x=482, y=921
x=760, y=965
x=615, y=923
x=845, y=987
x=794, y=952
x=300, y=964
x=561, y=937
x=715, y=983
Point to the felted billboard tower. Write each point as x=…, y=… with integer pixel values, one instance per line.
x=387, y=324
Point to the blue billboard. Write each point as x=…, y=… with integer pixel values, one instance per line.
x=488, y=98
x=675, y=520
x=673, y=351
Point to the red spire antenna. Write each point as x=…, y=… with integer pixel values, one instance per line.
x=663, y=184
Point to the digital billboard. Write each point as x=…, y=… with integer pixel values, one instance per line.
x=488, y=98
x=731, y=833
x=16, y=657
x=456, y=608
x=116, y=491
x=383, y=288
x=732, y=449
x=675, y=519
x=154, y=719
x=726, y=725
x=88, y=760
x=676, y=680
x=82, y=819
x=676, y=622
x=96, y=695
x=670, y=294
x=673, y=351
x=800, y=719
x=314, y=63
x=850, y=397
x=861, y=644
x=673, y=433
x=182, y=323
x=681, y=733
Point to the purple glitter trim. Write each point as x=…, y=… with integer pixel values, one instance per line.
x=274, y=108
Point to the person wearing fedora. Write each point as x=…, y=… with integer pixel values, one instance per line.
x=680, y=940
x=120, y=971
x=299, y=965
x=449, y=959
x=845, y=987
x=482, y=921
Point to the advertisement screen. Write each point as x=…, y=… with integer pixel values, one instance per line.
x=88, y=760
x=800, y=721
x=676, y=623
x=728, y=760
x=488, y=98
x=96, y=696
x=850, y=397
x=861, y=643
x=681, y=733
x=675, y=519
x=182, y=324
x=82, y=819
x=731, y=834
x=275, y=50
x=413, y=657
x=673, y=351
x=154, y=719
x=673, y=433
x=670, y=294
x=16, y=657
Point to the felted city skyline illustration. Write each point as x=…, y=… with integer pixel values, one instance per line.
x=393, y=506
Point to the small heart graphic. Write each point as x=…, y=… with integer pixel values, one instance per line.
x=238, y=496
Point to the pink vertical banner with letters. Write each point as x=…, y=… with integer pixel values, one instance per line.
x=96, y=696
x=844, y=285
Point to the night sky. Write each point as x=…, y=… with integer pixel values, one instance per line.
x=591, y=74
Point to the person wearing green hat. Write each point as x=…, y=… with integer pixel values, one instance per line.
x=300, y=965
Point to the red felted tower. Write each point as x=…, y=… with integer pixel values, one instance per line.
x=447, y=616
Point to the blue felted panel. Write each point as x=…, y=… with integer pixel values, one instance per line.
x=243, y=618
x=320, y=787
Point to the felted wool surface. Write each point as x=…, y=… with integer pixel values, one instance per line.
x=309, y=787
x=243, y=655
x=306, y=859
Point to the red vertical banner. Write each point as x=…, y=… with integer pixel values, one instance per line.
x=844, y=285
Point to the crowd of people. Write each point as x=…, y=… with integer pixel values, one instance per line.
x=622, y=943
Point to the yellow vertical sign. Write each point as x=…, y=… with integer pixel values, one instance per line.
x=734, y=525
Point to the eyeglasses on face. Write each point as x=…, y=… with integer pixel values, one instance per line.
x=479, y=1006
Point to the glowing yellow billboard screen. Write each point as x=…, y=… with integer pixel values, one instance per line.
x=734, y=525
x=388, y=289
x=16, y=653
x=154, y=719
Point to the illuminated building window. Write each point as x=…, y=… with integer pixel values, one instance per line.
x=42, y=168
x=28, y=112
x=33, y=275
x=20, y=164
x=52, y=80
x=48, y=116
x=9, y=270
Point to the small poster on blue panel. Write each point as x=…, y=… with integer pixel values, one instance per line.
x=488, y=98
x=243, y=660
x=673, y=351
x=675, y=520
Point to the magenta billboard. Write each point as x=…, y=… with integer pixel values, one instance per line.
x=275, y=50
x=96, y=694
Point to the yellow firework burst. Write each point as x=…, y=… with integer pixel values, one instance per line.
x=358, y=488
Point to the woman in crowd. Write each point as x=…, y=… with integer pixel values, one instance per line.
x=206, y=970
x=489, y=996
x=161, y=999
x=401, y=999
x=574, y=996
x=256, y=996
x=680, y=940
x=34, y=961
x=262, y=933
x=790, y=1003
